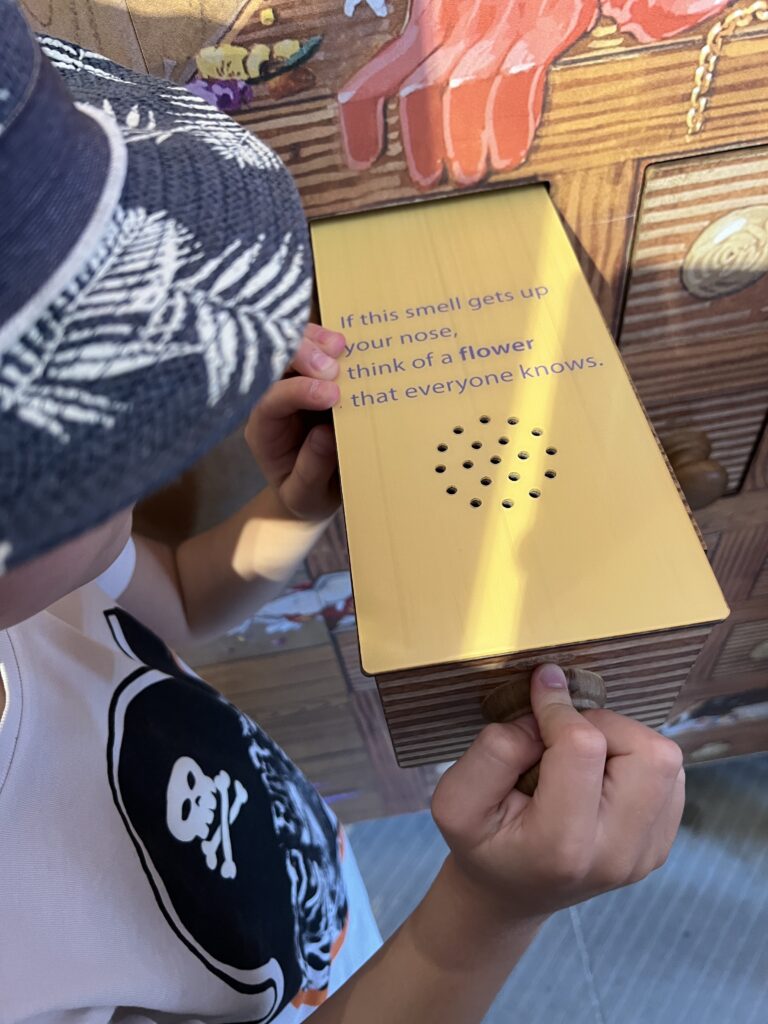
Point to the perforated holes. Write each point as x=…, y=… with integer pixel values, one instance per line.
x=530, y=477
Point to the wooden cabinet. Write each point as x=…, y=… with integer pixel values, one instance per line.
x=693, y=329
x=723, y=708
x=654, y=146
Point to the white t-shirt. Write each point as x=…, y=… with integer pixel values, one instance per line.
x=161, y=859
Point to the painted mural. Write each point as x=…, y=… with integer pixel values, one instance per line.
x=467, y=79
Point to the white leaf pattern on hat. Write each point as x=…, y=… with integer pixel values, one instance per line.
x=192, y=301
x=198, y=119
x=148, y=297
x=195, y=116
x=68, y=56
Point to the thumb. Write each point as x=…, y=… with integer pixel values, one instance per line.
x=551, y=701
x=470, y=792
x=571, y=775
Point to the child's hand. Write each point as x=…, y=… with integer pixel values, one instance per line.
x=296, y=453
x=605, y=813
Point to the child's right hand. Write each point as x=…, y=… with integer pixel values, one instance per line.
x=605, y=813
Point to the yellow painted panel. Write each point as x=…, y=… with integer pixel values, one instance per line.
x=469, y=323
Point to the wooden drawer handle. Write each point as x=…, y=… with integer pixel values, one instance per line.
x=702, y=479
x=512, y=700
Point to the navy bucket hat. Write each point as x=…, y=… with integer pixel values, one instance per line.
x=155, y=277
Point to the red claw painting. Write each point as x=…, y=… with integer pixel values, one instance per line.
x=469, y=78
x=371, y=102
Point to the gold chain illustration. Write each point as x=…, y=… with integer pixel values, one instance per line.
x=738, y=18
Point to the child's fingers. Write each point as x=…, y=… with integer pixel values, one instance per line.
x=665, y=829
x=312, y=360
x=570, y=782
x=470, y=792
x=318, y=353
x=642, y=776
x=669, y=822
x=312, y=472
x=297, y=394
x=330, y=341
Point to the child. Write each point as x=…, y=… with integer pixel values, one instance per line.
x=160, y=858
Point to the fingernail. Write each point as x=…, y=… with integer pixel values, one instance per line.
x=553, y=677
x=336, y=343
x=320, y=360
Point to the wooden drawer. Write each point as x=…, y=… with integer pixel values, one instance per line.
x=694, y=331
x=732, y=422
x=745, y=650
x=723, y=708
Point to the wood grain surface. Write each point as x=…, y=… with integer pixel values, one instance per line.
x=434, y=714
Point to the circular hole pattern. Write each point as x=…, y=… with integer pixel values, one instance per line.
x=512, y=421
x=534, y=493
x=551, y=451
x=475, y=503
x=507, y=503
x=514, y=476
x=442, y=447
x=450, y=490
x=468, y=464
x=458, y=430
x=485, y=481
x=439, y=469
x=485, y=419
x=537, y=431
x=523, y=455
x=550, y=474
x=495, y=459
x=503, y=440
x=477, y=444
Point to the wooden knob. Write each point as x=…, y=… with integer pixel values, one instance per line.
x=512, y=700
x=702, y=479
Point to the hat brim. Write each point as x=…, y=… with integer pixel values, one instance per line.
x=187, y=310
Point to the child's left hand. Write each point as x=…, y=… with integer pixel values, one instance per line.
x=296, y=453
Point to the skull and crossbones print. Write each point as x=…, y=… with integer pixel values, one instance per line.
x=193, y=800
x=241, y=854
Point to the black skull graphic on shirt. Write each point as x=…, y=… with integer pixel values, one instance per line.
x=241, y=853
